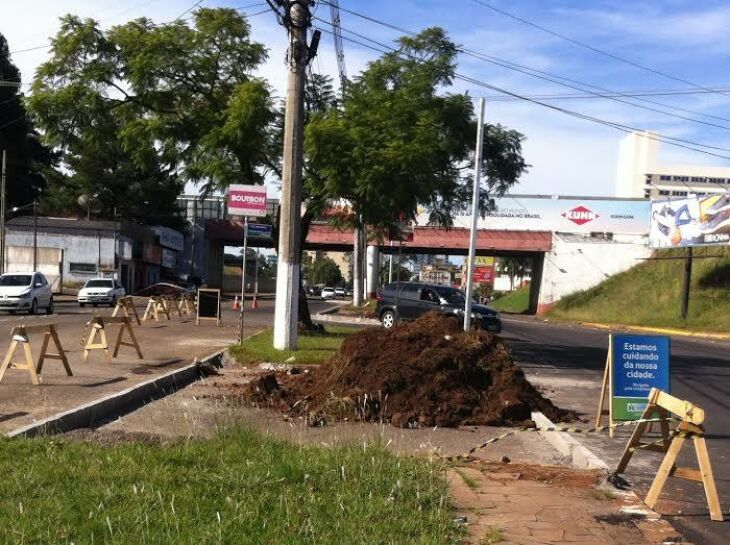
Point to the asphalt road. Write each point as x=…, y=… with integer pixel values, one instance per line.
x=567, y=362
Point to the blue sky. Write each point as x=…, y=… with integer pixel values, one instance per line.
x=688, y=40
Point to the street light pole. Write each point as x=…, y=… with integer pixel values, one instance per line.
x=2, y=213
x=35, y=235
x=474, y=215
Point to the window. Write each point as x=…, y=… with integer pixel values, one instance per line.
x=82, y=268
x=665, y=178
x=100, y=283
x=429, y=296
x=15, y=280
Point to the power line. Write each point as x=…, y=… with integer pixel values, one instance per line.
x=672, y=141
x=590, y=47
x=547, y=76
x=184, y=13
x=637, y=93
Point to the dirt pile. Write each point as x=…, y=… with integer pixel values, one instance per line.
x=423, y=373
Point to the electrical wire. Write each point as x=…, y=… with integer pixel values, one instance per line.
x=677, y=142
x=590, y=47
x=547, y=76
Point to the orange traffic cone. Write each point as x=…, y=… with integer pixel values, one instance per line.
x=254, y=302
x=236, y=304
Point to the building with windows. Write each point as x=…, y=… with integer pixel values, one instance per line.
x=639, y=174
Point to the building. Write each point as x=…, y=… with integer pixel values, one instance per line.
x=441, y=272
x=639, y=174
x=71, y=251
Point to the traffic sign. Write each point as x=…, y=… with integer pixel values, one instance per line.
x=258, y=230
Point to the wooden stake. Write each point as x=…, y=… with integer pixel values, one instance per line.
x=97, y=327
x=120, y=342
x=52, y=335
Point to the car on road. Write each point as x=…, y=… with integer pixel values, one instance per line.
x=327, y=293
x=409, y=300
x=25, y=291
x=100, y=291
x=340, y=292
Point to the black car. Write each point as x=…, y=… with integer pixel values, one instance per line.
x=414, y=299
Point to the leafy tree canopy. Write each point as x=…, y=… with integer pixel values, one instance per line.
x=26, y=156
x=159, y=105
x=398, y=141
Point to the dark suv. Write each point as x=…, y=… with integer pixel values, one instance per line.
x=414, y=299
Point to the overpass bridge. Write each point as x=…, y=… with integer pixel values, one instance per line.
x=573, y=242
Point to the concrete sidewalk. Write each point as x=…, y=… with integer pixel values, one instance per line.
x=166, y=345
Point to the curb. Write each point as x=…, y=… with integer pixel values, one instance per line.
x=566, y=445
x=103, y=409
x=653, y=526
x=322, y=317
x=664, y=330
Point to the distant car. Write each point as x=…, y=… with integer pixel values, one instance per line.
x=412, y=299
x=327, y=293
x=340, y=292
x=97, y=291
x=25, y=291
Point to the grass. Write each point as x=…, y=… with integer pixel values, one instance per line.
x=495, y=534
x=238, y=487
x=311, y=348
x=649, y=294
x=469, y=481
x=603, y=494
x=515, y=302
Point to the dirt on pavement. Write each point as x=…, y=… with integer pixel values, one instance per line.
x=424, y=373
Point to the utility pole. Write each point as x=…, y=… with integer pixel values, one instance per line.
x=297, y=19
x=474, y=215
x=243, y=281
x=192, y=242
x=686, y=283
x=2, y=213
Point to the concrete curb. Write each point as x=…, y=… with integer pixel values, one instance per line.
x=566, y=445
x=100, y=410
x=662, y=330
x=348, y=320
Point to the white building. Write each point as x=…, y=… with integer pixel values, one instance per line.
x=639, y=175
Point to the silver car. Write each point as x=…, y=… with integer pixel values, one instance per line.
x=25, y=291
x=100, y=291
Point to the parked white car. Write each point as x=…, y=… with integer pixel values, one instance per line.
x=327, y=293
x=340, y=292
x=104, y=291
x=25, y=291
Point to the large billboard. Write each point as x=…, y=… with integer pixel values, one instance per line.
x=694, y=221
x=564, y=215
x=247, y=200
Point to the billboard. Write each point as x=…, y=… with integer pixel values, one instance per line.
x=694, y=221
x=561, y=214
x=246, y=200
x=483, y=274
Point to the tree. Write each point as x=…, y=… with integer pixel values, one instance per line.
x=397, y=143
x=176, y=103
x=515, y=267
x=325, y=271
x=26, y=156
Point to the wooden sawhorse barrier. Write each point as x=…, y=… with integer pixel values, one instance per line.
x=20, y=337
x=186, y=305
x=155, y=306
x=98, y=327
x=690, y=425
x=126, y=305
x=171, y=302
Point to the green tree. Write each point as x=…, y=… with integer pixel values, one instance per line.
x=26, y=156
x=514, y=267
x=398, y=141
x=161, y=105
x=325, y=271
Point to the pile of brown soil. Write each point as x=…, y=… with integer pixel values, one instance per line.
x=423, y=373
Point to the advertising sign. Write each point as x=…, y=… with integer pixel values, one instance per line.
x=638, y=364
x=169, y=258
x=483, y=275
x=487, y=261
x=563, y=215
x=258, y=230
x=694, y=221
x=247, y=200
x=169, y=238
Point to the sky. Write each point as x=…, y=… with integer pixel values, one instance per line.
x=672, y=40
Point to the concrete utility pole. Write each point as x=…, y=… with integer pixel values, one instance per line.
x=286, y=311
x=2, y=214
x=474, y=216
x=356, y=269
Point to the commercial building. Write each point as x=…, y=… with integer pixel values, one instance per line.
x=639, y=174
x=71, y=251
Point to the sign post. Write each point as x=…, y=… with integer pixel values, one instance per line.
x=635, y=364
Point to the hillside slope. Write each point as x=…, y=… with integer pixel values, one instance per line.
x=649, y=294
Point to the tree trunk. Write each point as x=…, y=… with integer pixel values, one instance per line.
x=305, y=317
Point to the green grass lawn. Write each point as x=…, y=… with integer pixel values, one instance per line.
x=311, y=348
x=649, y=294
x=516, y=302
x=238, y=487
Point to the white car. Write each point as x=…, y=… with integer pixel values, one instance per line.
x=340, y=292
x=327, y=293
x=105, y=291
x=25, y=291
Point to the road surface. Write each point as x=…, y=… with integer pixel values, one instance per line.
x=567, y=362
